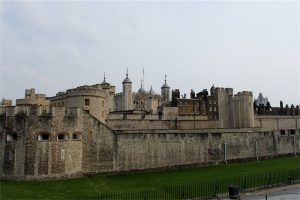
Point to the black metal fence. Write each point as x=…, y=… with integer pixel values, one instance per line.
x=207, y=190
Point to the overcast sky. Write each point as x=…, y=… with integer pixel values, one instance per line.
x=54, y=46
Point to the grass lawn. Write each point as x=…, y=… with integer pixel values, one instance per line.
x=92, y=186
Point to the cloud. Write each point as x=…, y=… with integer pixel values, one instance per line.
x=56, y=45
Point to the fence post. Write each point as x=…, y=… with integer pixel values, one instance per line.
x=266, y=197
x=225, y=153
x=294, y=144
x=182, y=194
x=256, y=153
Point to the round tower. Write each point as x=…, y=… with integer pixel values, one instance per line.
x=127, y=93
x=165, y=92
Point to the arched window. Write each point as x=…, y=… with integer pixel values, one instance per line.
x=44, y=137
x=11, y=137
x=77, y=136
x=62, y=136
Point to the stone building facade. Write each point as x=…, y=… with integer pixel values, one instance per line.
x=84, y=132
x=98, y=100
x=31, y=98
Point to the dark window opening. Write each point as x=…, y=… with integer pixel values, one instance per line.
x=282, y=132
x=76, y=136
x=62, y=137
x=11, y=137
x=86, y=102
x=292, y=132
x=43, y=137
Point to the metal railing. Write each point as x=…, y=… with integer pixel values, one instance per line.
x=207, y=190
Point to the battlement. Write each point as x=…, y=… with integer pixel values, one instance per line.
x=82, y=91
x=244, y=93
x=29, y=91
x=242, y=96
x=6, y=102
x=219, y=90
x=39, y=111
x=60, y=93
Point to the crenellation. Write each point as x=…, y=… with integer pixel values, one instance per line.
x=92, y=129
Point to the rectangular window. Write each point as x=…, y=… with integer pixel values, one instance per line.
x=282, y=132
x=86, y=102
x=43, y=137
x=11, y=137
x=77, y=136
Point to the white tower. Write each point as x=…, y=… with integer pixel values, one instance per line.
x=127, y=94
x=165, y=92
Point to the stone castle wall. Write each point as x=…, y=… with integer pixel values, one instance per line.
x=130, y=144
x=28, y=156
x=142, y=150
x=140, y=124
x=277, y=122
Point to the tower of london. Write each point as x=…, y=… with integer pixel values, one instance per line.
x=92, y=129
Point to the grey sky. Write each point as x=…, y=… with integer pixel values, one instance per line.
x=54, y=46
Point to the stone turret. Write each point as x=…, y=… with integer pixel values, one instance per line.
x=127, y=93
x=109, y=96
x=165, y=92
x=223, y=96
x=241, y=110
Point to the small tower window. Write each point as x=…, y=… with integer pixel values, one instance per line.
x=43, y=137
x=11, y=137
x=86, y=102
x=77, y=136
x=62, y=136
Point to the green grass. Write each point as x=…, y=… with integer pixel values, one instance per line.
x=92, y=186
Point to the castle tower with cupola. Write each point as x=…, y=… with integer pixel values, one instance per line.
x=127, y=93
x=165, y=92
